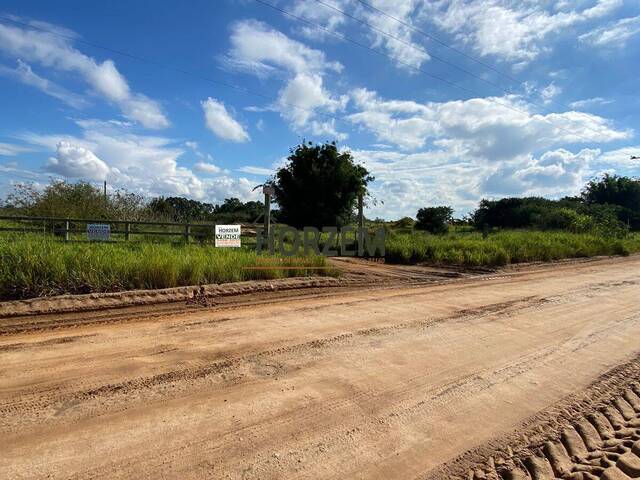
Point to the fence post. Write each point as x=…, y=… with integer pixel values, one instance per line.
x=127, y=231
x=66, y=231
x=187, y=232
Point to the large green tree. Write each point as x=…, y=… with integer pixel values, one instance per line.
x=623, y=192
x=319, y=186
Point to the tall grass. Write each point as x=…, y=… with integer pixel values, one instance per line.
x=502, y=248
x=32, y=266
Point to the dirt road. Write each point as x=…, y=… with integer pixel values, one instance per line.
x=389, y=382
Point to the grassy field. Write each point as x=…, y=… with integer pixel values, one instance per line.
x=37, y=265
x=502, y=248
x=32, y=265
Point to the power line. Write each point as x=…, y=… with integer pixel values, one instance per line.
x=411, y=45
x=436, y=57
x=418, y=69
x=454, y=49
x=166, y=66
x=261, y=95
x=437, y=40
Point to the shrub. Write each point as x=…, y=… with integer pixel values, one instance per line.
x=434, y=219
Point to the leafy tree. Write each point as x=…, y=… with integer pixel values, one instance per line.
x=179, y=209
x=319, y=186
x=615, y=190
x=434, y=219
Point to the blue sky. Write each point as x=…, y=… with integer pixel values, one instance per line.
x=531, y=97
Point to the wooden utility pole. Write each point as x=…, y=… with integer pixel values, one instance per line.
x=268, y=192
x=105, y=190
x=360, y=221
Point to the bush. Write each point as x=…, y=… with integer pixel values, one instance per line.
x=434, y=219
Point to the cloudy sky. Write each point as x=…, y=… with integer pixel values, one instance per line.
x=444, y=101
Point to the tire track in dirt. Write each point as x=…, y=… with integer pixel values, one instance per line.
x=381, y=408
x=591, y=436
x=400, y=404
x=371, y=386
x=47, y=402
x=45, y=322
x=50, y=402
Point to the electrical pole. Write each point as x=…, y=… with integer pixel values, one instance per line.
x=360, y=221
x=268, y=192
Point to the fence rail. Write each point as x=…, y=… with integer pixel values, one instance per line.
x=66, y=226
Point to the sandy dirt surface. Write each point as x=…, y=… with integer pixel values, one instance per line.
x=525, y=374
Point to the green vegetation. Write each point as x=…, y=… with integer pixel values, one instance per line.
x=32, y=266
x=178, y=209
x=621, y=192
x=502, y=248
x=608, y=205
x=319, y=186
x=434, y=219
x=79, y=200
x=513, y=230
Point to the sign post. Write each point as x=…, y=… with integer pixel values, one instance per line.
x=360, y=220
x=268, y=192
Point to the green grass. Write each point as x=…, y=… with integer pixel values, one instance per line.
x=34, y=265
x=502, y=248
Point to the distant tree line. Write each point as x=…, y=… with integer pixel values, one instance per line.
x=180, y=209
x=83, y=200
x=320, y=186
x=609, y=205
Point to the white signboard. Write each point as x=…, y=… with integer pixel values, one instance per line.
x=99, y=232
x=227, y=235
x=268, y=190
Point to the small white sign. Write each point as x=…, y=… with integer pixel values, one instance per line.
x=227, y=235
x=99, y=232
x=268, y=190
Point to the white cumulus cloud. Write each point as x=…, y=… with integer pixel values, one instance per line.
x=146, y=164
x=509, y=29
x=205, y=167
x=76, y=161
x=259, y=49
x=221, y=123
x=500, y=127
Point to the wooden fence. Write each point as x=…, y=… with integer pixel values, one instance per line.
x=67, y=226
